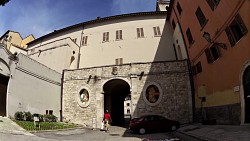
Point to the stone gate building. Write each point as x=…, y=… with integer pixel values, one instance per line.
x=161, y=88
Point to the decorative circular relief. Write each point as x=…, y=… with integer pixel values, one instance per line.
x=152, y=94
x=83, y=97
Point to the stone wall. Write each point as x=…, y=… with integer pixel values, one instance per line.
x=171, y=78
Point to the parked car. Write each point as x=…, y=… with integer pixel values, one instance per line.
x=153, y=123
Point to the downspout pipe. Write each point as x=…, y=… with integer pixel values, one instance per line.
x=61, y=98
x=79, y=54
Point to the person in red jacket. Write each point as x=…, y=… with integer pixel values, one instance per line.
x=107, y=120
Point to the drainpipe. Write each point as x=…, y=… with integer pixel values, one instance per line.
x=189, y=67
x=61, y=98
x=79, y=55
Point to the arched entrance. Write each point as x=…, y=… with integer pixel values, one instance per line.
x=246, y=86
x=115, y=92
x=3, y=94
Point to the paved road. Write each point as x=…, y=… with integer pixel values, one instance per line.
x=115, y=133
x=10, y=131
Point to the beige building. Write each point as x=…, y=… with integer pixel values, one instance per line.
x=14, y=41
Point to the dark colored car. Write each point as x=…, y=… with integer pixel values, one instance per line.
x=152, y=123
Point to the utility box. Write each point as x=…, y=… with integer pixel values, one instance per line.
x=36, y=120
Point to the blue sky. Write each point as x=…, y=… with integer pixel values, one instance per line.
x=39, y=17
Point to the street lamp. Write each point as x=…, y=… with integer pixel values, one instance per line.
x=207, y=36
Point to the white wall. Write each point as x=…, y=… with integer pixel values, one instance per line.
x=180, y=46
x=57, y=55
x=14, y=49
x=131, y=48
x=33, y=88
x=4, y=61
x=98, y=53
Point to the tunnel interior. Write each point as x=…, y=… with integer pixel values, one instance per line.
x=115, y=92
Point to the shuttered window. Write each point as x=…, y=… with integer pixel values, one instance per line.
x=157, y=31
x=189, y=37
x=84, y=40
x=213, y=3
x=212, y=54
x=140, y=33
x=118, y=34
x=105, y=37
x=201, y=17
x=236, y=30
x=179, y=9
x=119, y=61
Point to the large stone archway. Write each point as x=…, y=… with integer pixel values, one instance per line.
x=115, y=91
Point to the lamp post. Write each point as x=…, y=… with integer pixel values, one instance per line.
x=207, y=36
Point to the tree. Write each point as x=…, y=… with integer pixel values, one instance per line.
x=3, y=2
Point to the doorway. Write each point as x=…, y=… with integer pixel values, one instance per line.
x=246, y=85
x=115, y=92
x=3, y=94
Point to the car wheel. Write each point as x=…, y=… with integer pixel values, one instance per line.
x=142, y=131
x=173, y=127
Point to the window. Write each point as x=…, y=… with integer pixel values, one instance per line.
x=197, y=68
x=118, y=34
x=128, y=111
x=173, y=24
x=201, y=17
x=84, y=40
x=119, y=61
x=157, y=31
x=179, y=8
x=190, y=37
x=140, y=33
x=50, y=112
x=212, y=54
x=105, y=37
x=127, y=104
x=236, y=30
x=213, y=3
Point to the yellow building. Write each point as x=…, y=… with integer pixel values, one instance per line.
x=14, y=41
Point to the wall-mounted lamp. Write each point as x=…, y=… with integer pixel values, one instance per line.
x=207, y=36
x=96, y=78
x=89, y=78
x=140, y=75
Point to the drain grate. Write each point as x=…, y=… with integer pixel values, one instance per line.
x=1, y=121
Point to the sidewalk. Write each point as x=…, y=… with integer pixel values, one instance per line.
x=8, y=126
x=217, y=132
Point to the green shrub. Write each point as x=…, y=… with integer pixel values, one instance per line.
x=27, y=116
x=50, y=118
x=18, y=116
